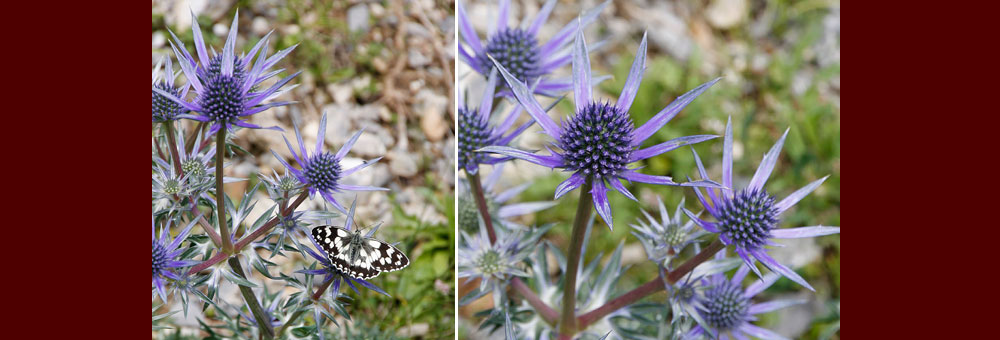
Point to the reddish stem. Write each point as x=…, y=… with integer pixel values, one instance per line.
x=650, y=287
x=547, y=313
x=477, y=192
x=264, y=229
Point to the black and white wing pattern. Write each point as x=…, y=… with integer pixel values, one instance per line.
x=389, y=259
x=358, y=256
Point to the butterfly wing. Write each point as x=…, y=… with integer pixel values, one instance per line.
x=389, y=258
x=336, y=241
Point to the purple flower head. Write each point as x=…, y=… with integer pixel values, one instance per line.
x=726, y=308
x=165, y=252
x=748, y=218
x=519, y=49
x=475, y=131
x=226, y=86
x=328, y=269
x=321, y=171
x=601, y=140
x=164, y=109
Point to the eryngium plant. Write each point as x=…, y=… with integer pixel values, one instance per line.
x=553, y=294
x=203, y=239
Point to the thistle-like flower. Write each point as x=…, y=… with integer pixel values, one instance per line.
x=327, y=268
x=519, y=50
x=600, y=140
x=748, y=218
x=475, y=132
x=322, y=171
x=226, y=85
x=468, y=212
x=663, y=240
x=165, y=252
x=494, y=264
x=164, y=109
x=727, y=309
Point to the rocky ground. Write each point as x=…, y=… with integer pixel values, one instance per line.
x=382, y=66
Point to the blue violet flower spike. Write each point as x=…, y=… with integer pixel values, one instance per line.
x=748, y=218
x=164, y=109
x=226, y=85
x=475, y=132
x=726, y=308
x=519, y=50
x=600, y=140
x=165, y=252
x=322, y=171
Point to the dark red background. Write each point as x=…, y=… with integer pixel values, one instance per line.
x=919, y=152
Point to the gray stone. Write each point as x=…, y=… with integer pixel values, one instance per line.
x=431, y=107
x=369, y=146
x=416, y=59
x=357, y=18
x=259, y=26
x=402, y=164
x=724, y=14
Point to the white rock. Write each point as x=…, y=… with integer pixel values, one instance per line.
x=341, y=93
x=220, y=30
x=402, y=164
x=159, y=39
x=259, y=26
x=368, y=146
x=416, y=59
x=431, y=108
x=357, y=18
x=725, y=14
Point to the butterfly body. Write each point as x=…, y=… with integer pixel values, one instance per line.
x=357, y=255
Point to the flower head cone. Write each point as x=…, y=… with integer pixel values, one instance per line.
x=727, y=309
x=748, y=218
x=519, y=49
x=475, y=130
x=493, y=263
x=664, y=239
x=600, y=140
x=165, y=109
x=226, y=86
x=322, y=171
x=327, y=268
x=165, y=256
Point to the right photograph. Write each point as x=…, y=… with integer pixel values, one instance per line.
x=648, y=170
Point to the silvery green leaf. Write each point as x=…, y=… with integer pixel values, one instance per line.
x=232, y=277
x=715, y=266
x=472, y=296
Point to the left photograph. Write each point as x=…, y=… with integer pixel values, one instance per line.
x=303, y=169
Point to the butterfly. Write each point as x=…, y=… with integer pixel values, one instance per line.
x=357, y=255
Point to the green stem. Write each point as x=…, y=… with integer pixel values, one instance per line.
x=484, y=210
x=220, y=194
x=567, y=325
x=263, y=322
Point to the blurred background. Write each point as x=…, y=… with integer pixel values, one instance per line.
x=387, y=67
x=780, y=63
